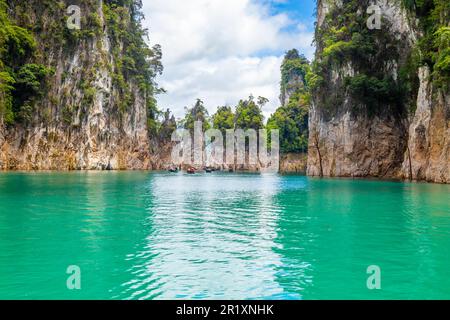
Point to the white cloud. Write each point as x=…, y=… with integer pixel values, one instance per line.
x=221, y=51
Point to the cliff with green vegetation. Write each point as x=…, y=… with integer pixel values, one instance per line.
x=291, y=119
x=76, y=98
x=380, y=102
x=247, y=114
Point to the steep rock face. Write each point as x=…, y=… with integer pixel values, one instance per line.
x=293, y=163
x=389, y=140
x=79, y=123
x=428, y=157
x=292, y=76
x=294, y=83
x=355, y=146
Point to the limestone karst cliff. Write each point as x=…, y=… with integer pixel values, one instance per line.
x=292, y=75
x=380, y=94
x=75, y=98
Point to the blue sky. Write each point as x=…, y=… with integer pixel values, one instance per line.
x=224, y=50
x=298, y=9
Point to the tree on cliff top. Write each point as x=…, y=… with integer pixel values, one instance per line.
x=197, y=113
x=223, y=119
x=249, y=113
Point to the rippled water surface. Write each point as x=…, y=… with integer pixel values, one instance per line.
x=139, y=235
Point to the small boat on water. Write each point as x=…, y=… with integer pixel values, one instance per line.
x=208, y=170
x=191, y=170
x=173, y=170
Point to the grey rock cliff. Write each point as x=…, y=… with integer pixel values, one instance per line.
x=68, y=132
x=349, y=143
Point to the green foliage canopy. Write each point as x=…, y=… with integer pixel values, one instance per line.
x=223, y=119
x=249, y=113
x=197, y=113
x=20, y=82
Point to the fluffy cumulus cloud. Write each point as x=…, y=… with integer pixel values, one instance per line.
x=222, y=50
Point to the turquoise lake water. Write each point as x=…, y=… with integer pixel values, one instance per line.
x=139, y=235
